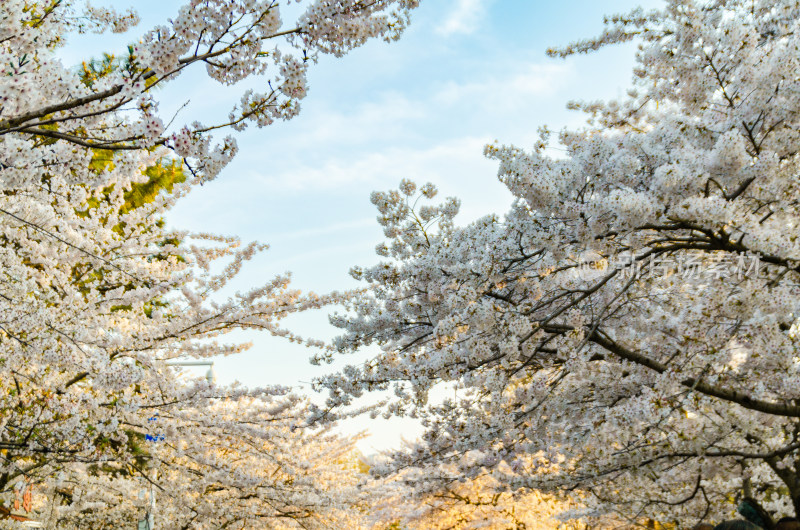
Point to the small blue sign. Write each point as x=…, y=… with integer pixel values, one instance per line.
x=153, y=437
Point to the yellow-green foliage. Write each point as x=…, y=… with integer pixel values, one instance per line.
x=95, y=69
x=163, y=176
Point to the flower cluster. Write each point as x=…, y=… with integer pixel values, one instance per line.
x=334, y=26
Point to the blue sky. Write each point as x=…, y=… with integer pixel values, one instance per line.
x=466, y=72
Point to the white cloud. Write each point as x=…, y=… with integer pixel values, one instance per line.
x=535, y=79
x=386, y=113
x=309, y=233
x=390, y=165
x=464, y=17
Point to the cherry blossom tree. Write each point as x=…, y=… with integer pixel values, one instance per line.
x=97, y=295
x=630, y=327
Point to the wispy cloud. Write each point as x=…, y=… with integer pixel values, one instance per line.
x=378, y=167
x=336, y=228
x=465, y=15
x=515, y=89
